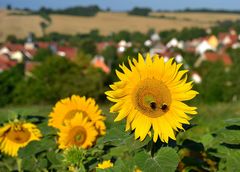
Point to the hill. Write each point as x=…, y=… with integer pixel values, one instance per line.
x=107, y=22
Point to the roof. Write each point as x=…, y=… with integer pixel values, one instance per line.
x=70, y=52
x=99, y=63
x=14, y=47
x=6, y=62
x=213, y=57
x=102, y=45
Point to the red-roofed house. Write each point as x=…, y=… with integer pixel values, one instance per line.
x=98, y=62
x=103, y=45
x=213, y=57
x=69, y=52
x=6, y=62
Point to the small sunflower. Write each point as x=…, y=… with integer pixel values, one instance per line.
x=79, y=131
x=15, y=135
x=105, y=164
x=150, y=94
x=67, y=108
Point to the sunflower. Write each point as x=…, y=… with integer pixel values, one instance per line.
x=150, y=94
x=105, y=164
x=15, y=135
x=67, y=108
x=79, y=131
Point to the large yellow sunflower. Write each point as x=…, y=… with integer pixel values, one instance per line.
x=15, y=135
x=79, y=131
x=66, y=109
x=150, y=94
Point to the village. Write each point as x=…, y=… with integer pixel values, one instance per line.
x=210, y=48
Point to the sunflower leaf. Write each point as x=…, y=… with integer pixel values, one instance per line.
x=165, y=160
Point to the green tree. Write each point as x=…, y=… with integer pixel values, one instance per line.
x=11, y=38
x=140, y=11
x=214, y=80
x=110, y=55
x=88, y=47
x=58, y=78
x=42, y=54
x=8, y=82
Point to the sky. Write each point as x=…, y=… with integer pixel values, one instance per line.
x=123, y=5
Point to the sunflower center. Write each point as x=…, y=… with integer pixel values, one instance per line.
x=78, y=135
x=71, y=114
x=152, y=97
x=19, y=136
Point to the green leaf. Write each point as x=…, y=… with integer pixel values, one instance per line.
x=233, y=121
x=34, y=147
x=29, y=163
x=166, y=160
x=54, y=158
x=229, y=136
x=120, y=165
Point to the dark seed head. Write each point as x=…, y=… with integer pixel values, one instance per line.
x=153, y=105
x=164, y=107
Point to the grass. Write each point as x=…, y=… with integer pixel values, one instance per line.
x=212, y=115
x=107, y=22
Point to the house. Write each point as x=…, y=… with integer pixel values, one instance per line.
x=155, y=37
x=213, y=57
x=203, y=47
x=122, y=45
x=148, y=43
x=98, y=62
x=228, y=38
x=103, y=45
x=69, y=52
x=179, y=58
x=196, y=78
x=172, y=43
x=6, y=63
x=159, y=48
x=213, y=41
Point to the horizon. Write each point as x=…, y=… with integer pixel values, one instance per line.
x=125, y=5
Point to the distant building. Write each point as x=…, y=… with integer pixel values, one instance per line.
x=213, y=57
x=98, y=62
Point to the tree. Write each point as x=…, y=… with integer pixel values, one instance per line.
x=213, y=85
x=9, y=7
x=110, y=55
x=140, y=11
x=58, y=78
x=11, y=38
x=88, y=47
x=8, y=82
x=43, y=26
x=42, y=54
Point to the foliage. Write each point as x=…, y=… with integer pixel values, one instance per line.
x=12, y=39
x=42, y=54
x=8, y=81
x=76, y=11
x=207, y=146
x=57, y=78
x=140, y=11
x=213, y=85
x=88, y=47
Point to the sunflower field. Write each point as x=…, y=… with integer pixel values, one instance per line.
x=150, y=124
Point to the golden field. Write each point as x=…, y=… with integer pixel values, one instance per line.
x=21, y=25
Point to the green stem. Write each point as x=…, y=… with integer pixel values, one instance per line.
x=152, y=148
x=19, y=165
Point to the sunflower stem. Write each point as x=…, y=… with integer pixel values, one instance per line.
x=152, y=148
x=19, y=165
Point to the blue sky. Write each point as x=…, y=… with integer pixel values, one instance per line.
x=120, y=5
